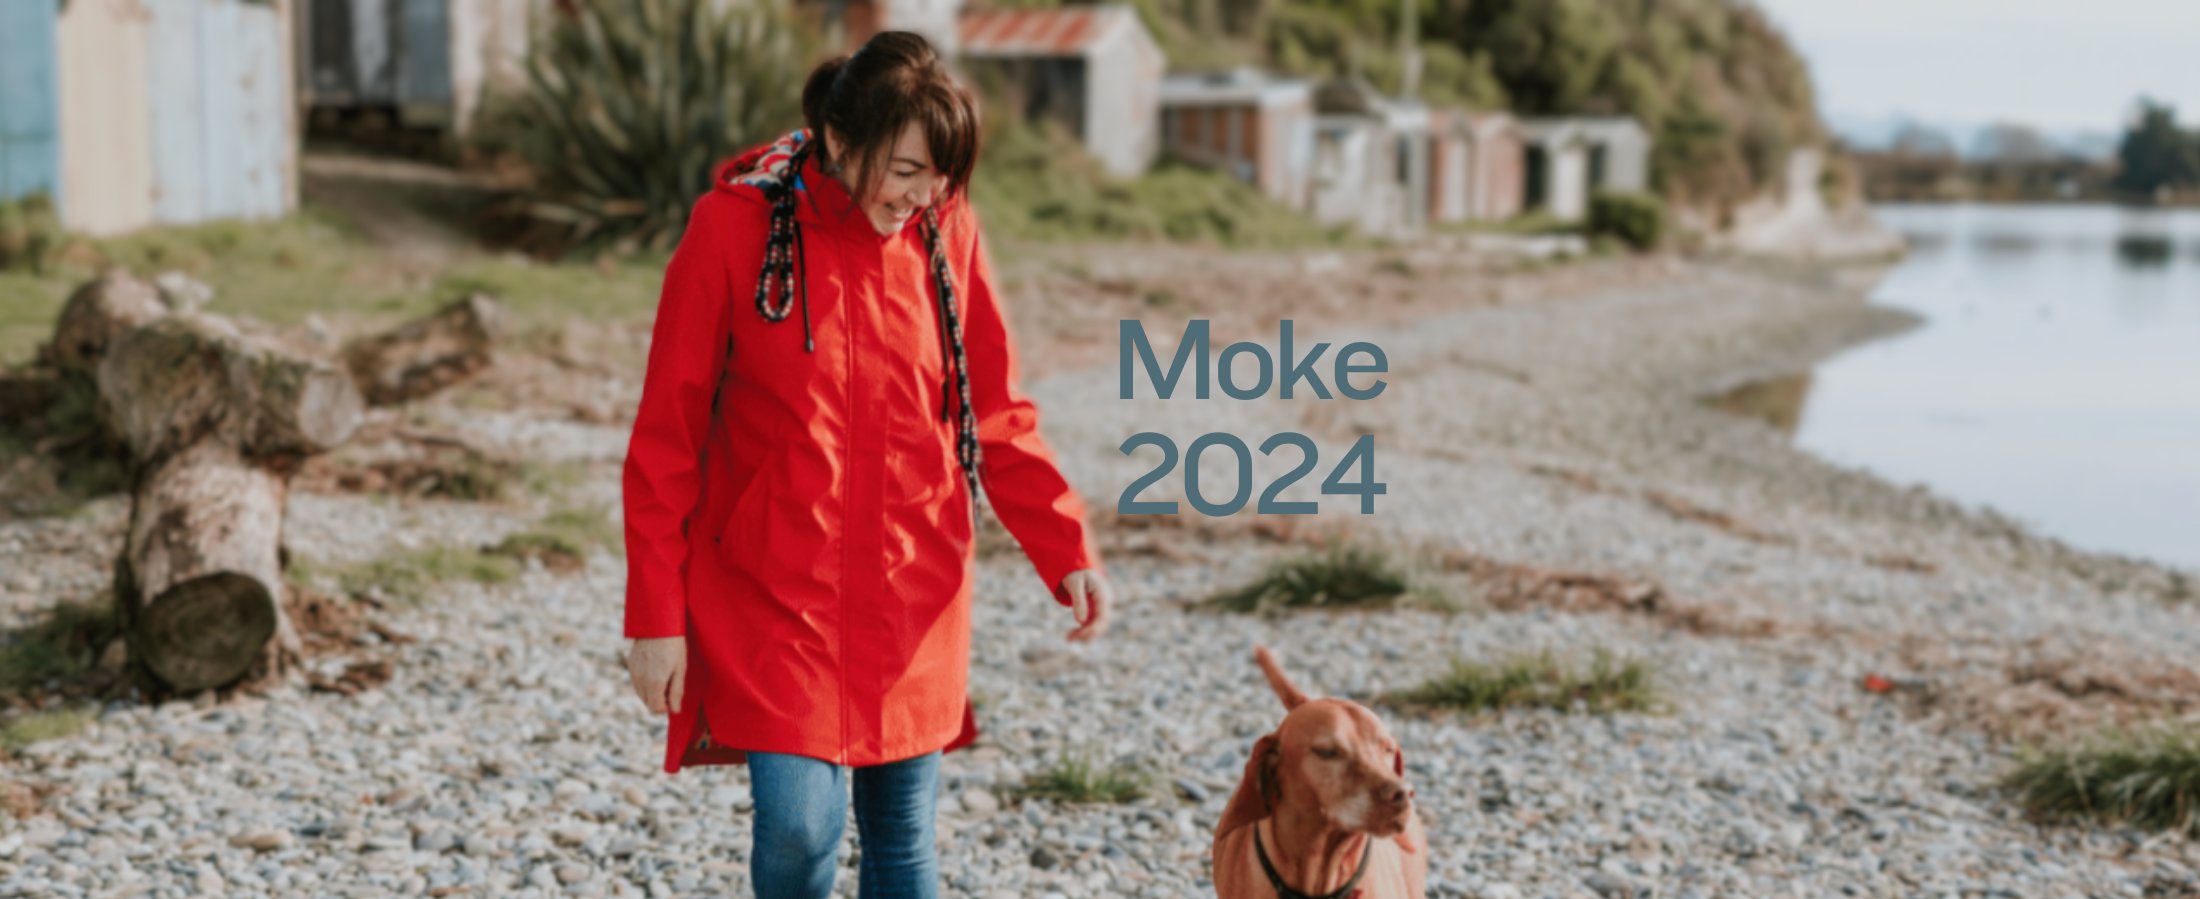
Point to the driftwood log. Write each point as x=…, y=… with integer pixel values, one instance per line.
x=426, y=354
x=26, y=395
x=215, y=423
x=102, y=310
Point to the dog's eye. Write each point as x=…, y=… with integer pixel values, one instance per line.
x=1327, y=752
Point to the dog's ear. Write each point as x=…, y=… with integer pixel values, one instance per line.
x=1399, y=767
x=1256, y=794
x=1268, y=756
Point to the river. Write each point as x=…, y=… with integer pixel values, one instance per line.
x=2056, y=378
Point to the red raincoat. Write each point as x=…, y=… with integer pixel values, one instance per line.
x=813, y=540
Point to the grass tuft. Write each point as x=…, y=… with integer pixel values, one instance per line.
x=1538, y=682
x=409, y=576
x=1076, y=779
x=2149, y=780
x=46, y=725
x=564, y=538
x=59, y=647
x=1344, y=577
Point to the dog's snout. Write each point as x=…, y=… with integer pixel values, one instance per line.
x=1394, y=794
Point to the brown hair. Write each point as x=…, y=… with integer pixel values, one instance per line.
x=868, y=97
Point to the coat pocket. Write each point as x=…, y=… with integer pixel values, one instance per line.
x=739, y=541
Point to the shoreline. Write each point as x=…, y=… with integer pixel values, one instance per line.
x=1539, y=420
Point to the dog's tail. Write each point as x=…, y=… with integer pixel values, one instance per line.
x=1277, y=680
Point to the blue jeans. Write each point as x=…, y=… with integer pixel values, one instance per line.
x=802, y=807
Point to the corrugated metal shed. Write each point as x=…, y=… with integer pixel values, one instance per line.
x=30, y=131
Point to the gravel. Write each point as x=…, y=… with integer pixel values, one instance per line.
x=506, y=756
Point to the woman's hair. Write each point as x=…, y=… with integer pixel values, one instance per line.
x=867, y=98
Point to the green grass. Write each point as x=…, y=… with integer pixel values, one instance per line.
x=60, y=646
x=409, y=576
x=314, y=263
x=574, y=532
x=1538, y=682
x=1531, y=222
x=1344, y=577
x=1035, y=183
x=1076, y=779
x=2149, y=780
x=46, y=725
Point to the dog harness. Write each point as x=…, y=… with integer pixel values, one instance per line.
x=1284, y=890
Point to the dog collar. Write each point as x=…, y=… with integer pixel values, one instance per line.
x=1284, y=890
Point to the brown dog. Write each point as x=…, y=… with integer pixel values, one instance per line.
x=1324, y=796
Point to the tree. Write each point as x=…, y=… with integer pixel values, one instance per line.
x=2157, y=154
x=2011, y=143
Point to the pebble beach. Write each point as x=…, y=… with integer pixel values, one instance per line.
x=1536, y=423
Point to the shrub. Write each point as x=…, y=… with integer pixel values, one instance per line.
x=1635, y=218
x=1609, y=685
x=1036, y=183
x=632, y=102
x=2149, y=780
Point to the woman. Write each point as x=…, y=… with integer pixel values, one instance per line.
x=800, y=498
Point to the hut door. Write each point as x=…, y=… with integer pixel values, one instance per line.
x=30, y=152
x=221, y=132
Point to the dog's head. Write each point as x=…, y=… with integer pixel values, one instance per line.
x=1335, y=756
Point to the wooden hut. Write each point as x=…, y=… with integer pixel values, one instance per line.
x=1094, y=69
x=1477, y=161
x=427, y=63
x=1253, y=125
x=1571, y=158
x=1370, y=160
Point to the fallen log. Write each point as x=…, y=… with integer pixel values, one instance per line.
x=26, y=395
x=426, y=354
x=95, y=315
x=215, y=423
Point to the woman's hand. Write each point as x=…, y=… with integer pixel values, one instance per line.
x=1089, y=599
x=658, y=668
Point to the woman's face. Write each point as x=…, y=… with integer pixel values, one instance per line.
x=909, y=183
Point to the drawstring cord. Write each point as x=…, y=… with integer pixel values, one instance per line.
x=784, y=258
x=966, y=425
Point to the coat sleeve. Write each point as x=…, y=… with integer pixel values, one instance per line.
x=1022, y=482
x=661, y=482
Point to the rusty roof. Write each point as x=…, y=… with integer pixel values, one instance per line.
x=1064, y=31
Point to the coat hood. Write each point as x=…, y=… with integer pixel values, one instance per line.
x=751, y=174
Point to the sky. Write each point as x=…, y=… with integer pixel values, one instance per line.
x=2060, y=65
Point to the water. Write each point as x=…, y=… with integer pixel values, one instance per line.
x=2057, y=377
